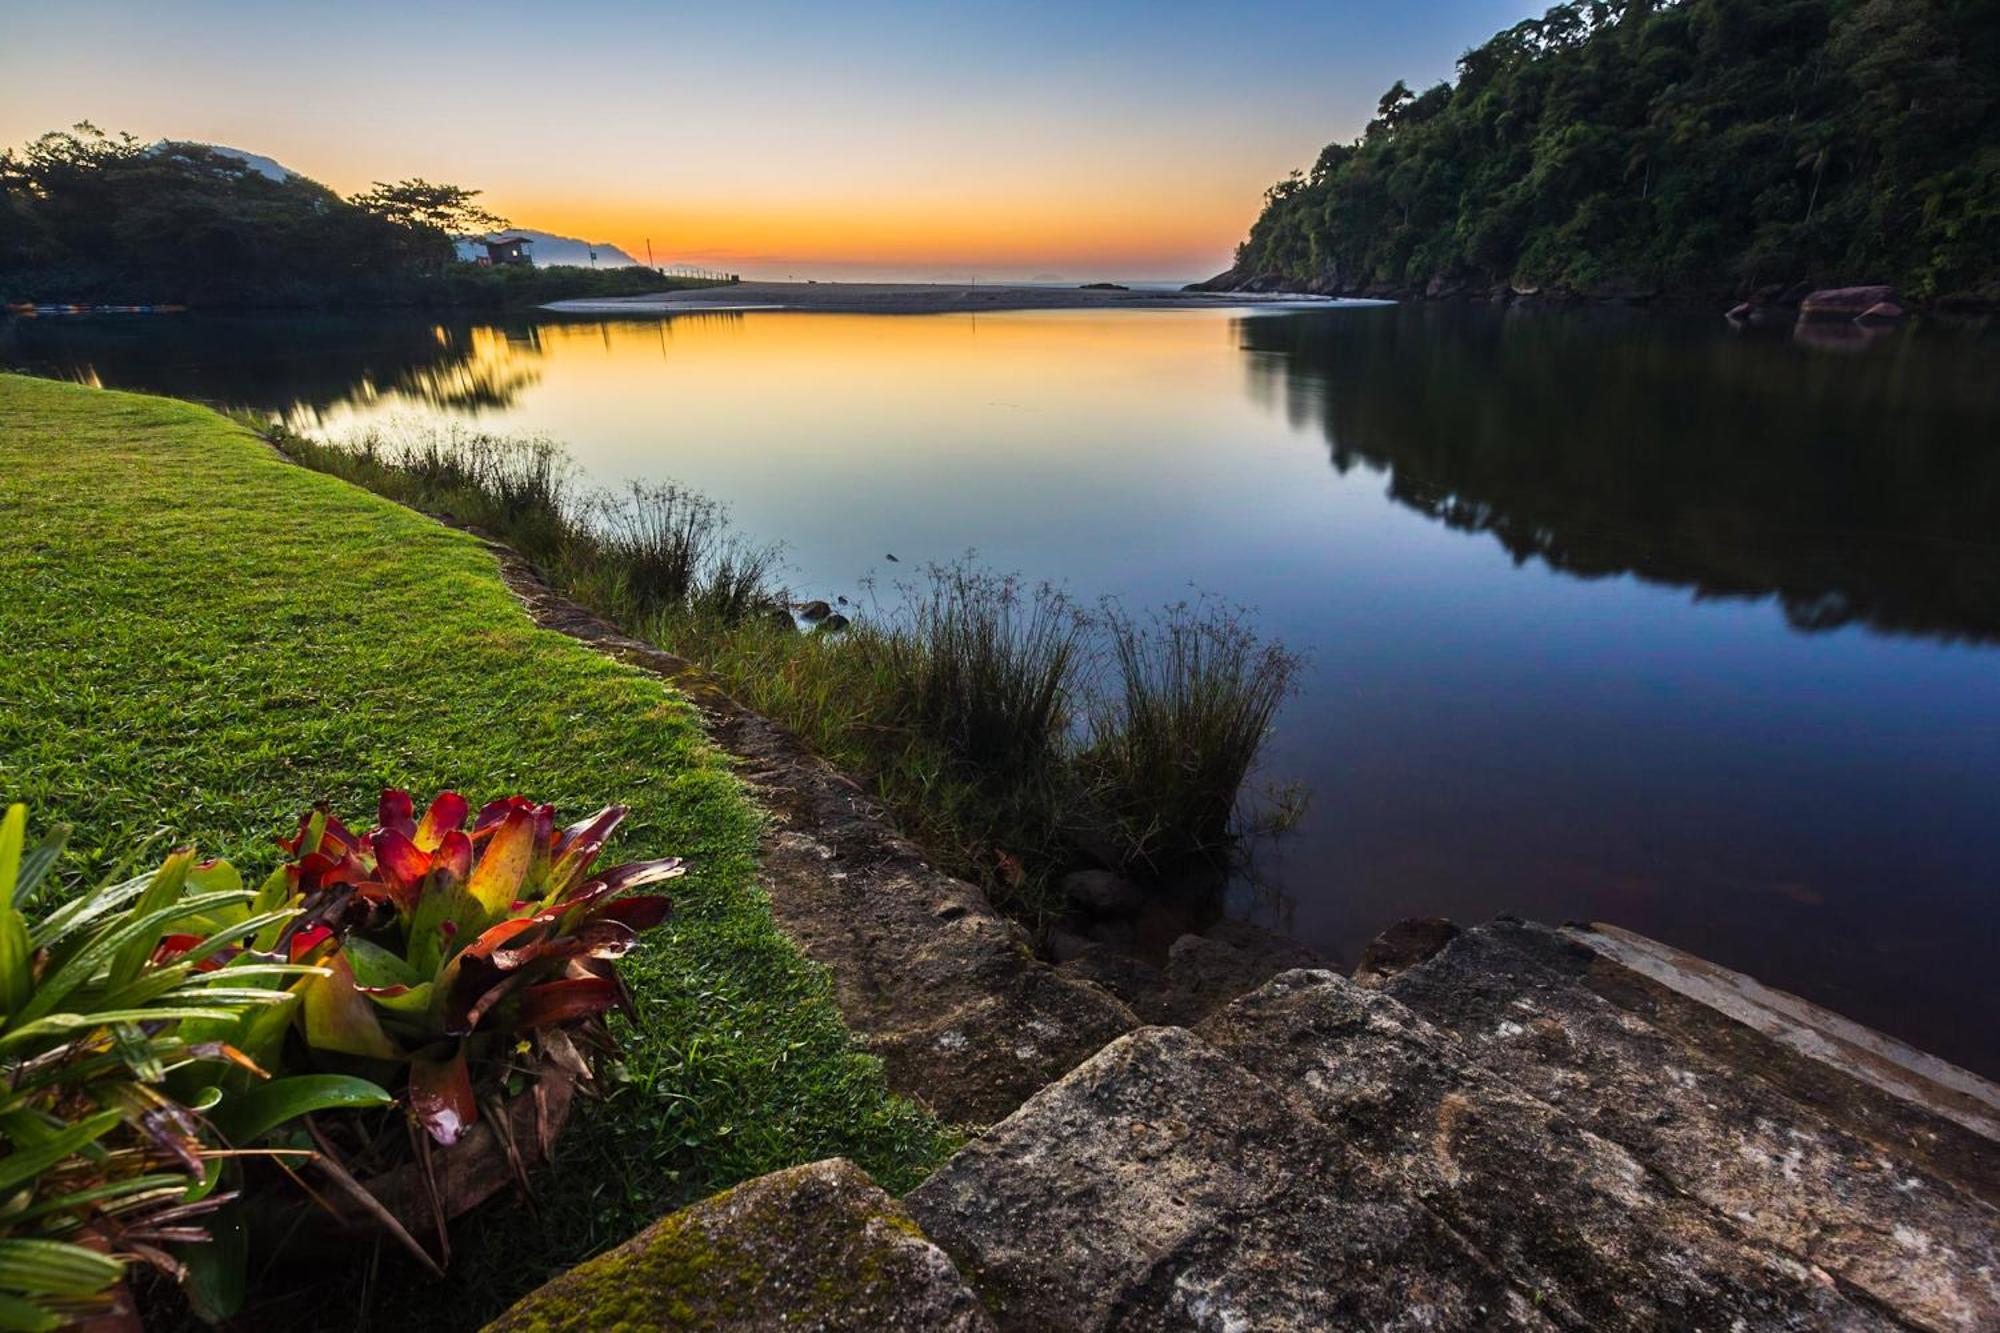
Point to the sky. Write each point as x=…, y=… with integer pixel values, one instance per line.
x=843, y=138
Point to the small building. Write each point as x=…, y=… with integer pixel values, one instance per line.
x=508, y=249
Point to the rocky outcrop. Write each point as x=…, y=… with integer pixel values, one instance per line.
x=816, y=1247
x=1845, y=302
x=1512, y=1129
x=1893, y=1200
x=1162, y=1186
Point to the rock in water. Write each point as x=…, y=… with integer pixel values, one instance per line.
x=815, y=611
x=1843, y=302
x=814, y=1247
x=1883, y=312
x=1103, y=892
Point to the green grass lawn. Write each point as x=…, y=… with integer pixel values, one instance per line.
x=200, y=638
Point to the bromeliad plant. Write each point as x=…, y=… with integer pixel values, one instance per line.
x=444, y=947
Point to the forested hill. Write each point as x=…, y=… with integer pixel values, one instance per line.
x=1704, y=146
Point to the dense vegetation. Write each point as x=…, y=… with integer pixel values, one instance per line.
x=1635, y=145
x=200, y=636
x=91, y=217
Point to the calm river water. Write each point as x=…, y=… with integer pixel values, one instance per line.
x=1610, y=616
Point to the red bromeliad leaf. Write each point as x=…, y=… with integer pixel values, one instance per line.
x=323, y=870
x=497, y=876
x=642, y=911
x=171, y=947
x=638, y=874
x=396, y=811
x=441, y=1095
x=305, y=941
x=402, y=867
x=446, y=815
x=334, y=836
x=454, y=854
x=579, y=845
x=555, y=1002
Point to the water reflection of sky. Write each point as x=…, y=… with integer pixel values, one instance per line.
x=1480, y=734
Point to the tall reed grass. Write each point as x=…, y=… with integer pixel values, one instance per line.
x=1004, y=726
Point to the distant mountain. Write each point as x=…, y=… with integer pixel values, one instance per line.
x=257, y=162
x=549, y=249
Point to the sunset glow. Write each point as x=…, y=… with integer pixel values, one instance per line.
x=878, y=139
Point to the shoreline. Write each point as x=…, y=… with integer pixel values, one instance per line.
x=913, y=298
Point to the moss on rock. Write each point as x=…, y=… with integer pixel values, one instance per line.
x=813, y=1247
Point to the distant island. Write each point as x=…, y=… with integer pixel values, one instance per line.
x=1625, y=149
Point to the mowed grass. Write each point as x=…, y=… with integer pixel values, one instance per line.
x=198, y=639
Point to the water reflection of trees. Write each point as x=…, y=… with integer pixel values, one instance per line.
x=1852, y=489
x=300, y=365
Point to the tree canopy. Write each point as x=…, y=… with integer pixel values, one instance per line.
x=90, y=216
x=1692, y=144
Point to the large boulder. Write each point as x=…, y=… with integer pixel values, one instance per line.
x=1844, y=302
x=816, y=1247
x=1160, y=1186
x=1563, y=1212
x=1892, y=1199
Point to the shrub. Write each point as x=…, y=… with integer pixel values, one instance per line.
x=673, y=550
x=986, y=671
x=1169, y=751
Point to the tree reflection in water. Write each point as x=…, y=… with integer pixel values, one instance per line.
x=1851, y=488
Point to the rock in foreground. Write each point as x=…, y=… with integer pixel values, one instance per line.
x=1509, y=1128
x=816, y=1247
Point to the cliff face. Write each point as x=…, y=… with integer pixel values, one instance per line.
x=1621, y=148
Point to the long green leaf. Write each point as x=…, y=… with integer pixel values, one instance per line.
x=117, y=1189
x=169, y=881
x=59, y=1023
x=37, y=862
x=55, y=1268
x=25, y=1163
x=248, y=1115
x=87, y=907
x=218, y=1271
x=86, y=961
x=17, y=961
x=20, y=1315
x=13, y=833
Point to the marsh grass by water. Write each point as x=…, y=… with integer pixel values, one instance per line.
x=1010, y=729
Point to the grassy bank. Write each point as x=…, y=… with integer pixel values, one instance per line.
x=1014, y=733
x=200, y=637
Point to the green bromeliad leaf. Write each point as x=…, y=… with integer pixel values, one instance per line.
x=248, y=1116
x=337, y=1017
